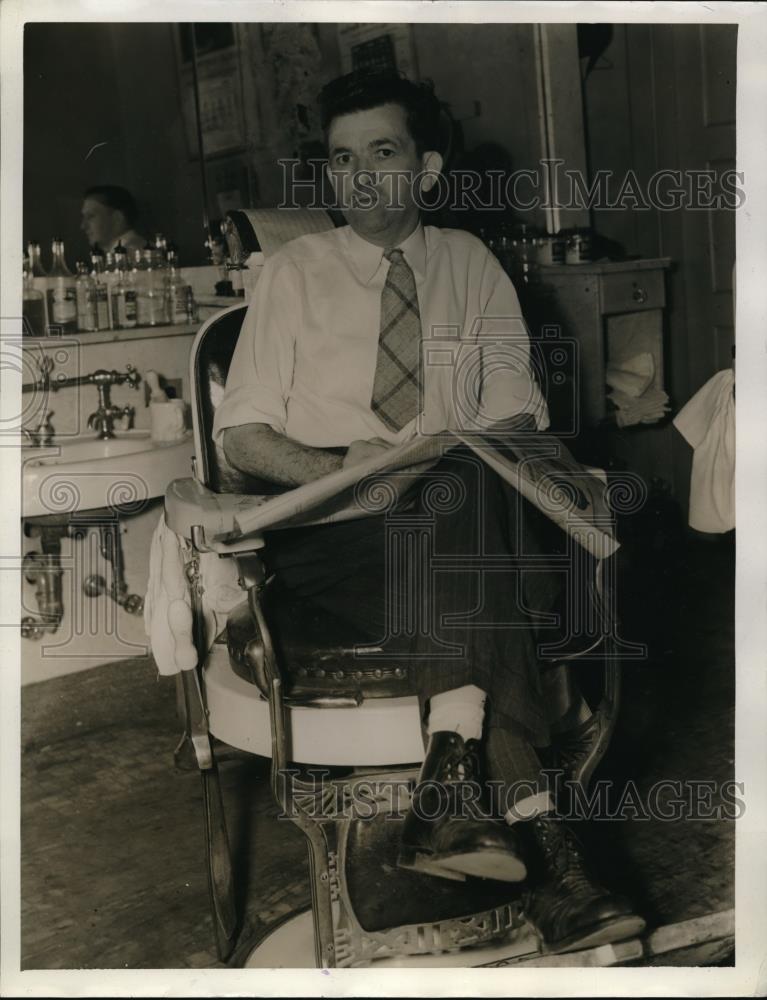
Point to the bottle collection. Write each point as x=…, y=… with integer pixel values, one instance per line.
x=119, y=290
x=522, y=249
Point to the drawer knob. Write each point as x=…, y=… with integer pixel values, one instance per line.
x=639, y=295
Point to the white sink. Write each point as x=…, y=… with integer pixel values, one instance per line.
x=84, y=472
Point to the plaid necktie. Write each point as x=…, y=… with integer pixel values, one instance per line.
x=397, y=384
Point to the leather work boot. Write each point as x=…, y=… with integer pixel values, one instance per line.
x=445, y=832
x=567, y=907
x=580, y=748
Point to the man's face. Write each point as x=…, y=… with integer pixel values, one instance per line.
x=372, y=161
x=100, y=223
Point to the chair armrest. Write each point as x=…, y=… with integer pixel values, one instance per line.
x=189, y=504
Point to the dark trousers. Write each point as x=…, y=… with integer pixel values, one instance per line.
x=455, y=578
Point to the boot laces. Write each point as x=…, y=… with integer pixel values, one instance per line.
x=576, y=746
x=565, y=856
x=462, y=768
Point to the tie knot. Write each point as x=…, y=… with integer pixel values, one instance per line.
x=395, y=255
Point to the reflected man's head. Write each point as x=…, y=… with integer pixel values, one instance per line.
x=383, y=137
x=108, y=212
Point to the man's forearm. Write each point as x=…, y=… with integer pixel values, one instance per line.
x=258, y=450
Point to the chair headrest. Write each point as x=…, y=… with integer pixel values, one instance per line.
x=248, y=230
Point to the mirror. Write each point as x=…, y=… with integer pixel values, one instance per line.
x=102, y=107
x=109, y=103
x=114, y=103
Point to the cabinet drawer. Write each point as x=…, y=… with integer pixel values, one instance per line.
x=632, y=291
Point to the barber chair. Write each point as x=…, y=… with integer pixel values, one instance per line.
x=286, y=681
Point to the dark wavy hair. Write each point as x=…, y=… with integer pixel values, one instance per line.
x=118, y=198
x=360, y=91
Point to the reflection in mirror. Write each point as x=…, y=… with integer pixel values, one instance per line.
x=102, y=107
x=130, y=121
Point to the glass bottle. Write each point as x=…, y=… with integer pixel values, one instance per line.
x=178, y=290
x=123, y=292
x=150, y=290
x=136, y=271
x=100, y=291
x=121, y=257
x=39, y=279
x=62, y=295
x=160, y=264
x=110, y=277
x=86, y=299
x=33, y=305
x=160, y=248
x=36, y=268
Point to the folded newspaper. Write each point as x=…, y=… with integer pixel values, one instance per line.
x=537, y=464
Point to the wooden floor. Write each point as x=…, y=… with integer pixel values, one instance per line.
x=112, y=864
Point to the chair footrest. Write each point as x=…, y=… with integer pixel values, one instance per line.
x=319, y=669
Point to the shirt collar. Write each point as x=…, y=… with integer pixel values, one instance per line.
x=366, y=257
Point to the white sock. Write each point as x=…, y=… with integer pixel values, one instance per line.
x=530, y=806
x=584, y=712
x=461, y=711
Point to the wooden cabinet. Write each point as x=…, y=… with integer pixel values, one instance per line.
x=613, y=311
x=605, y=313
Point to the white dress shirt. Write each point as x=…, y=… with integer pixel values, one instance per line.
x=306, y=357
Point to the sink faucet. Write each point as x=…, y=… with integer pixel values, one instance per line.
x=42, y=435
x=103, y=418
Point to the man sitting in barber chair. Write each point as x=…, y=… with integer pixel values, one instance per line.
x=328, y=371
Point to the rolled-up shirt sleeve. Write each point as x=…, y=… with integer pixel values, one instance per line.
x=505, y=383
x=261, y=373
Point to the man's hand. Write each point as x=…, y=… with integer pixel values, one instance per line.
x=360, y=451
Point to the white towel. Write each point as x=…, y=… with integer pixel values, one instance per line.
x=168, y=603
x=707, y=421
x=636, y=401
x=631, y=375
x=648, y=408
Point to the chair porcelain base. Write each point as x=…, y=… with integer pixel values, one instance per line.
x=382, y=731
x=291, y=946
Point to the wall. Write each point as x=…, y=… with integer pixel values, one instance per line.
x=494, y=65
x=102, y=106
x=663, y=97
x=289, y=63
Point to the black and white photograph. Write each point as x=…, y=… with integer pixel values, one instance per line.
x=374, y=617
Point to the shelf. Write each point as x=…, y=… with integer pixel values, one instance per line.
x=110, y=336
x=605, y=266
x=221, y=301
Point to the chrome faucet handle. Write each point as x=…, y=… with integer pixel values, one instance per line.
x=45, y=431
x=133, y=378
x=126, y=413
x=45, y=367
